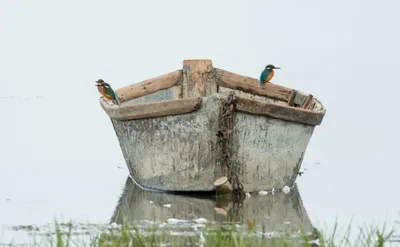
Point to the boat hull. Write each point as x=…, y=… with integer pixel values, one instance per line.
x=181, y=152
x=175, y=129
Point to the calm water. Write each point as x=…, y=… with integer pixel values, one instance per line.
x=60, y=158
x=60, y=167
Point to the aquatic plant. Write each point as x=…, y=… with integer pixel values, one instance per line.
x=224, y=235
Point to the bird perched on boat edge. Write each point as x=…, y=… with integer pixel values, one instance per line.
x=105, y=89
x=267, y=74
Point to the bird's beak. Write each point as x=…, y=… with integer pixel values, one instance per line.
x=277, y=68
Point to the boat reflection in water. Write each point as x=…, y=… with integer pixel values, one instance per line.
x=273, y=213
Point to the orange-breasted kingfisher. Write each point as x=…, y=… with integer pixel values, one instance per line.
x=105, y=89
x=267, y=74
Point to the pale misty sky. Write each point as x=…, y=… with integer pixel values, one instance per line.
x=346, y=53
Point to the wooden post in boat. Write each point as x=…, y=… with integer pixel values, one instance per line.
x=223, y=186
x=198, y=78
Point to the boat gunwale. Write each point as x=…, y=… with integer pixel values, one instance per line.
x=288, y=113
x=128, y=111
x=311, y=113
x=151, y=109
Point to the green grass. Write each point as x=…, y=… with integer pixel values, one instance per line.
x=224, y=235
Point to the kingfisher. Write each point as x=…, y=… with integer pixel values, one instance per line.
x=105, y=89
x=267, y=74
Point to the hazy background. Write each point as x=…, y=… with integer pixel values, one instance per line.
x=59, y=155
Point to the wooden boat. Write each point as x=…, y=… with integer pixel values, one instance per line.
x=183, y=130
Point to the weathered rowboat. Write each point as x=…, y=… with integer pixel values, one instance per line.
x=183, y=130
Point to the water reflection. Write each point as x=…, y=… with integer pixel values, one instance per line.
x=278, y=212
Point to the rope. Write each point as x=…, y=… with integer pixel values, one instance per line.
x=225, y=141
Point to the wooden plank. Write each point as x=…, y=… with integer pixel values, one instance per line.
x=292, y=96
x=198, y=78
x=307, y=101
x=149, y=86
x=153, y=109
x=250, y=85
x=280, y=112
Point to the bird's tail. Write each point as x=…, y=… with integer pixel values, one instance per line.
x=117, y=100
